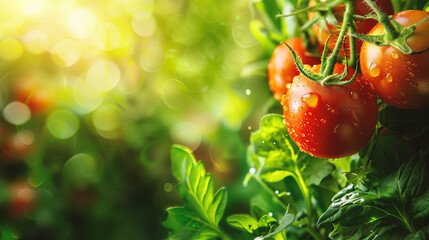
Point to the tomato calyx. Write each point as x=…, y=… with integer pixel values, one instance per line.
x=326, y=75
x=394, y=34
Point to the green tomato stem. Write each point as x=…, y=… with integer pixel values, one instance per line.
x=347, y=20
x=390, y=32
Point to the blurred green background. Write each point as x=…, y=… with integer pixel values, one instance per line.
x=94, y=93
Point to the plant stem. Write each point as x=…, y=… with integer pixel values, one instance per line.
x=269, y=190
x=352, y=57
x=307, y=197
x=389, y=29
x=347, y=20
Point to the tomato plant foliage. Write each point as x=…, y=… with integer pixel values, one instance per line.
x=380, y=192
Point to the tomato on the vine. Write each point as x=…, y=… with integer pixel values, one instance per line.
x=399, y=79
x=362, y=26
x=282, y=68
x=330, y=121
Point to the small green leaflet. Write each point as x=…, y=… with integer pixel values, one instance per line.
x=284, y=222
x=203, y=210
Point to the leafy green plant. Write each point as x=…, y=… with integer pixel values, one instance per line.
x=203, y=210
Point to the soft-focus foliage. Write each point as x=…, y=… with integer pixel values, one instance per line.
x=93, y=94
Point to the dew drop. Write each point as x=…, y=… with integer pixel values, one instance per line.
x=411, y=74
x=276, y=192
x=354, y=95
x=310, y=113
x=355, y=116
x=336, y=128
x=311, y=99
x=292, y=115
x=300, y=108
x=413, y=84
x=285, y=108
x=299, y=144
x=248, y=92
x=389, y=78
x=252, y=170
x=303, y=135
x=250, y=128
x=288, y=193
x=371, y=86
x=395, y=55
x=307, y=140
x=270, y=214
x=374, y=70
x=323, y=120
x=263, y=142
x=288, y=85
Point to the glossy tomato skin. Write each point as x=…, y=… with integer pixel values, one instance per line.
x=399, y=79
x=332, y=121
x=361, y=8
x=282, y=68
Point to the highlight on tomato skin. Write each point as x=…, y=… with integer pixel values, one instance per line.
x=399, y=79
x=330, y=121
x=362, y=26
x=282, y=67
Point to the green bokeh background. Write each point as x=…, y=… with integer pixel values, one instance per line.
x=95, y=157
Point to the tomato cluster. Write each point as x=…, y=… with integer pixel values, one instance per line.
x=338, y=120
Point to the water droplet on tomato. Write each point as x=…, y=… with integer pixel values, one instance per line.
x=311, y=99
x=323, y=120
x=310, y=113
x=288, y=85
x=336, y=128
x=395, y=55
x=411, y=74
x=413, y=84
x=285, y=108
x=389, y=78
x=371, y=86
x=354, y=95
x=374, y=70
x=300, y=108
x=303, y=135
x=292, y=115
x=299, y=144
x=355, y=116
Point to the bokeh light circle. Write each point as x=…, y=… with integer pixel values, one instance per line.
x=144, y=27
x=10, y=49
x=81, y=23
x=139, y=8
x=107, y=117
x=62, y=124
x=67, y=52
x=36, y=41
x=81, y=169
x=17, y=113
x=103, y=75
x=186, y=133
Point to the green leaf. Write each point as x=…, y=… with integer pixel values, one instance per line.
x=203, y=210
x=283, y=223
x=243, y=222
x=396, y=205
x=276, y=175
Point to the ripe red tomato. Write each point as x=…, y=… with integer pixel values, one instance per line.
x=332, y=121
x=399, y=79
x=282, y=68
x=361, y=8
